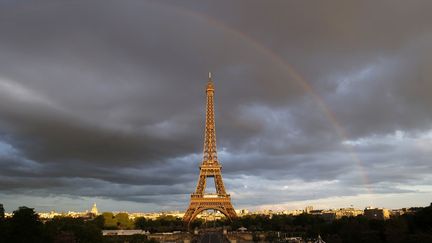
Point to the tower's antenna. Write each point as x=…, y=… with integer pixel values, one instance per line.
x=209, y=75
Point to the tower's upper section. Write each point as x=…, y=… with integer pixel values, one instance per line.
x=210, y=85
x=210, y=153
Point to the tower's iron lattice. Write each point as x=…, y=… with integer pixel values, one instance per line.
x=210, y=167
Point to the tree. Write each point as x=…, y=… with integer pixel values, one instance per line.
x=423, y=218
x=66, y=229
x=123, y=221
x=109, y=220
x=2, y=212
x=99, y=221
x=25, y=226
x=141, y=223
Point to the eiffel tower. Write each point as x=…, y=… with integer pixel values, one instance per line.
x=210, y=167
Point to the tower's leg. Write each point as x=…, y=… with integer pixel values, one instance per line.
x=220, y=188
x=201, y=184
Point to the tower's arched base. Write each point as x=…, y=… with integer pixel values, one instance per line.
x=199, y=203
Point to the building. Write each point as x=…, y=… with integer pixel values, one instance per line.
x=377, y=213
x=316, y=212
x=124, y=232
x=49, y=215
x=242, y=212
x=292, y=212
x=347, y=212
x=94, y=210
x=308, y=209
x=332, y=214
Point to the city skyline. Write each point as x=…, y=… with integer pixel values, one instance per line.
x=322, y=104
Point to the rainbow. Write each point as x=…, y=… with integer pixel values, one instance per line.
x=289, y=69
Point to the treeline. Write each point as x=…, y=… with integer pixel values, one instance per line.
x=118, y=221
x=406, y=228
x=163, y=223
x=26, y=226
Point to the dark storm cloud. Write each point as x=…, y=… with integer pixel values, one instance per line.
x=105, y=98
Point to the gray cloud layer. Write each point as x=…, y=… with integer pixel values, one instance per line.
x=104, y=99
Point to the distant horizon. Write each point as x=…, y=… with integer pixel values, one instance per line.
x=256, y=209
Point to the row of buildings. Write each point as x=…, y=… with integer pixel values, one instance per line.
x=327, y=214
x=332, y=214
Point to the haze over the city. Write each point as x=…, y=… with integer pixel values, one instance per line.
x=317, y=103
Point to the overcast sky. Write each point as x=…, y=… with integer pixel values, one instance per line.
x=318, y=103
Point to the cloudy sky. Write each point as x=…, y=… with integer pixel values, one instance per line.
x=318, y=103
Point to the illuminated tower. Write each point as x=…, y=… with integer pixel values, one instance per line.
x=210, y=167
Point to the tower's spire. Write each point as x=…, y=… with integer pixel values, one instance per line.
x=210, y=76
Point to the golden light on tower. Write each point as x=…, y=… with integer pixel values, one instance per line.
x=210, y=167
